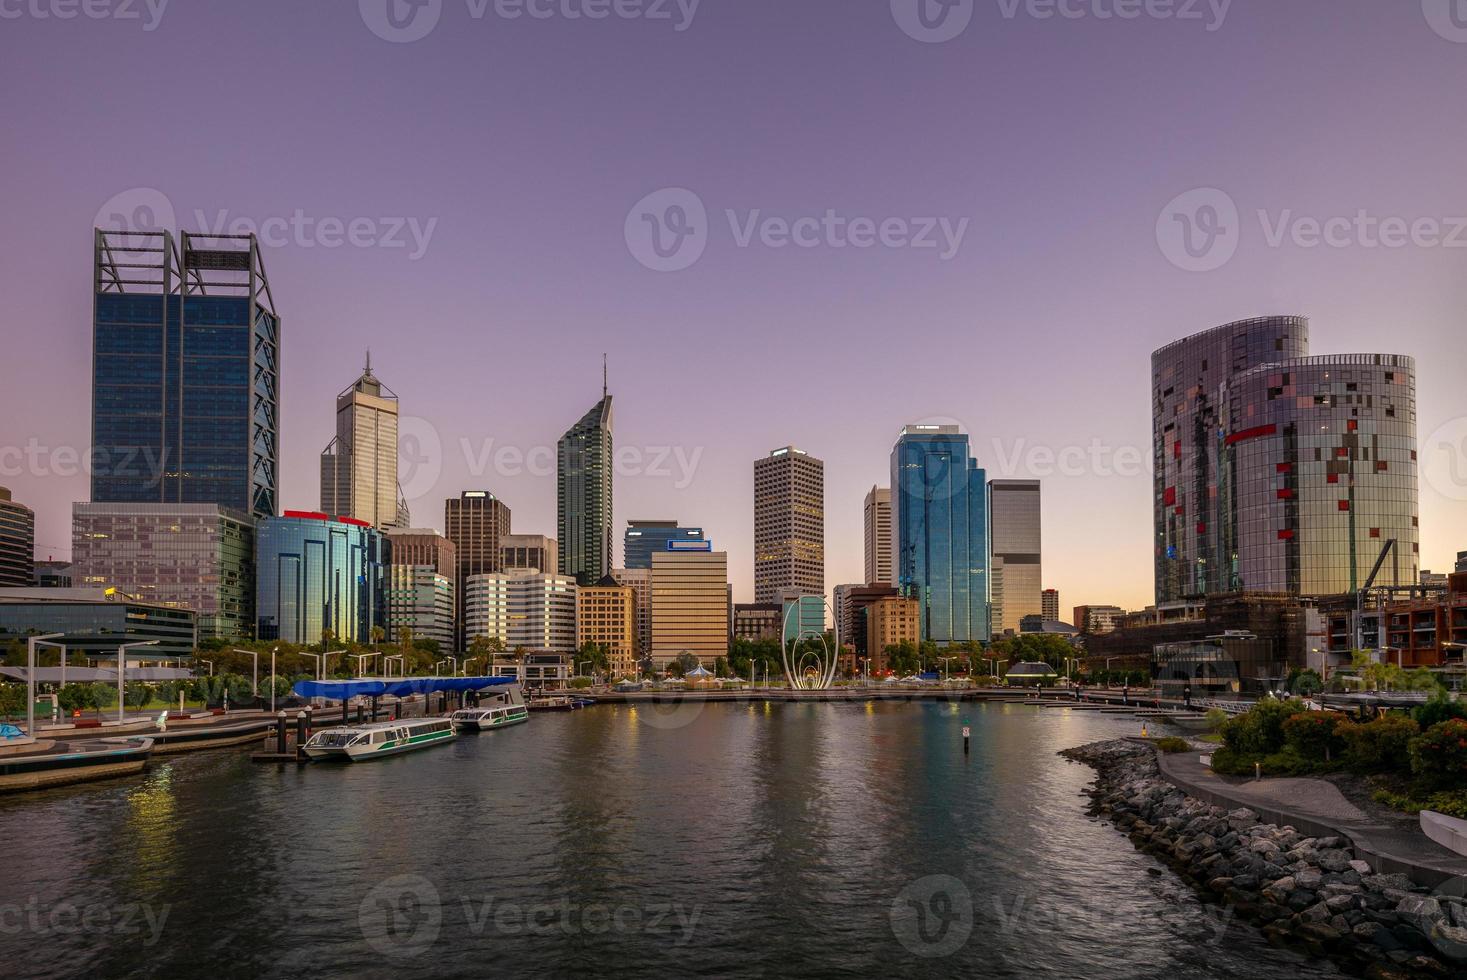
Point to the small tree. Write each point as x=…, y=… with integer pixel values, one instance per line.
x=137, y=695
x=12, y=700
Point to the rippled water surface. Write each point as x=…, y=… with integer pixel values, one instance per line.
x=747, y=839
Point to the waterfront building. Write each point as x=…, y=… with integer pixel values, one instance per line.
x=690, y=606
x=536, y=669
x=185, y=378
x=583, y=483
x=606, y=614
x=1428, y=629
x=789, y=523
x=359, y=466
x=476, y=522
x=52, y=575
x=420, y=599
x=1279, y=471
x=190, y=556
x=851, y=602
x=878, y=535
x=643, y=537
x=939, y=532
x=639, y=580
x=528, y=551
x=1049, y=604
x=93, y=623
x=316, y=573
x=17, y=542
x=890, y=621
x=523, y=608
x=1015, y=543
x=754, y=621
x=1093, y=620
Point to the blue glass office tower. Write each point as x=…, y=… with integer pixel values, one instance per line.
x=185, y=372
x=939, y=532
x=644, y=537
x=314, y=573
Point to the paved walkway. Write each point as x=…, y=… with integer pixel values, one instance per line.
x=1318, y=808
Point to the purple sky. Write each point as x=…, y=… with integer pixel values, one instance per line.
x=529, y=141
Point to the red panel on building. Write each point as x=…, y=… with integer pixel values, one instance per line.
x=307, y=515
x=1170, y=496
x=1286, y=535
x=1254, y=433
x=1344, y=505
x=1284, y=467
x=1286, y=494
x=353, y=520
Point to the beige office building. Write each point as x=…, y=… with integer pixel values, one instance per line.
x=789, y=524
x=528, y=551
x=690, y=608
x=640, y=582
x=606, y=614
x=878, y=536
x=359, y=466
x=1015, y=577
x=890, y=621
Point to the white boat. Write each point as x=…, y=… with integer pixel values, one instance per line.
x=504, y=708
x=358, y=743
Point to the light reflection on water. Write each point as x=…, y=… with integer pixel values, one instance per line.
x=738, y=839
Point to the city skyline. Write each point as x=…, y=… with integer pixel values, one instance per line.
x=1047, y=240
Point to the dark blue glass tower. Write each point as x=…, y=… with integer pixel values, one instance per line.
x=644, y=537
x=185, y=372
x=939, y=528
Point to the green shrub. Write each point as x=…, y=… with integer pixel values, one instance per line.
x=580, y=682
x=1216, y=718
x=1438, y=708
x=1260, y=731
x=1382, y=745
x=1316, y=736
x=1172, y=743
x=1439, y=755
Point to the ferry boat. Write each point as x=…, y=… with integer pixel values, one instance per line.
x=358, y=743
x=499, y=711
x=559, y=702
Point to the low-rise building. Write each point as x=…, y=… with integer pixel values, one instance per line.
x=94, y=622
x=1093, y=620
x=890, y=621
x=754, y=621
x=606, y=615
x=525, y=609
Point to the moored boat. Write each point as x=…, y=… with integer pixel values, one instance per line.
x=359, y=743
x=504, y=708
x=59, y=763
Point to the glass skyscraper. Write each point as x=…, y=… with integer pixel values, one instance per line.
x=185, y=372
x=1277, y=471
x=583, y=490
x=316, y=573
x=645, y=537
x=939, y=532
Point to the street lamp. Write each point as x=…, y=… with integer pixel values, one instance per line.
x=30, y=676
x=945, y=667
x=273, y=675
x=401, y=663
x=320, y=659
x=122, y=669
x=364, y=656
x=255, y=677
x=209, y=662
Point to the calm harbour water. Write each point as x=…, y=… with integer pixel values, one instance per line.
x=728, y=840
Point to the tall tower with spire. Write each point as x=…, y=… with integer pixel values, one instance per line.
x=583, y=492
x=359, y=466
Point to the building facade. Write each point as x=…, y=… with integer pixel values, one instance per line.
x=939, y=531
x=851, y=602
x=789, y=523
x=94, y=624
x=190, y=556
x=420, y=599
x=422, y=546
x=475, y=522
x=315, y=573
x=606, y=615
x=643, y=537
x=1049, y=604
x=1092, y=620
x=878, y=535
x=1015, y=542
x=17, y=542
x=754, y=621
x=53, y=575
x=690, y=607
x=527, y=610
x=806, y=619
x=890, y=621
x=528, y=551
x=185, y=372
x=359, y=467
x=1278, y=471
x=639, y=580
x=583, y=483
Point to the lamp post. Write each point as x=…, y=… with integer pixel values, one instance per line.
x=255, y=677
x=359, y=657
x=30, y=677
x=209, y=662
x=273, y=675
x=122, y=670
x=401, y=663
x=320, y=659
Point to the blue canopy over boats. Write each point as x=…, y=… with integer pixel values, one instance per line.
x=396, y=687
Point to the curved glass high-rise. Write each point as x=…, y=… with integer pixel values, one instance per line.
x=315, y=573
x=1280, y=472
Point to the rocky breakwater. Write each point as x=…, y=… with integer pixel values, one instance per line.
x=1304, y=892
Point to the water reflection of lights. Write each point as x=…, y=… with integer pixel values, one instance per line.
x=153, y=821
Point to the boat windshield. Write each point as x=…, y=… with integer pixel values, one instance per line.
x=334, y=739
